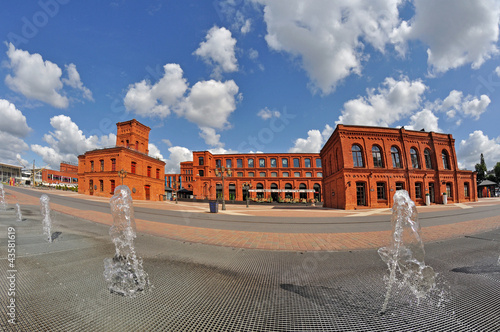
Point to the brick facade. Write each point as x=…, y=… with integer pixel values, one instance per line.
x=276, y=176
x=67, y=175
x=98, y=169
x=364, y=166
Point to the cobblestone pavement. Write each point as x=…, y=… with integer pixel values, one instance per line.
x=282, y=240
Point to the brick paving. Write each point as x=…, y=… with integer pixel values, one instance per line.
x=268, y=240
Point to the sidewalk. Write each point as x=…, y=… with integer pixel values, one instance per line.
x=271, y=241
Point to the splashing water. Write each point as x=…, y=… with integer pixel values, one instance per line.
x=47, y=221
x=3, y=204
x=124, y=273
x=18, y=212
x=405, y=255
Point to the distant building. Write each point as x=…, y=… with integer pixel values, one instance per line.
x=10, y=173
x=272, y=176
x=364, y=166
x=98, y=169
x=67, y=175
x=487, y=188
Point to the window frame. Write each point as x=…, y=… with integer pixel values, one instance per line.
x=377, y=157
x=357, y=156
x=396, y=154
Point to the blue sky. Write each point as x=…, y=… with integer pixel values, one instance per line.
x=244, y=75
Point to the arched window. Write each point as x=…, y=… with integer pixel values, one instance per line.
x=303, y=194
x=396, y=160
x=428, y=159
x=446, y=160
x=357, y=156
x=377, y=157
x=317, y=192
x=260, y=186
x=414, y=158
x=288, y=194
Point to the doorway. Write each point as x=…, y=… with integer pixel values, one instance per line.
x=360, y=193
x=148, y=193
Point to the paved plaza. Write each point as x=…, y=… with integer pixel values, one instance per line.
x=264, y=268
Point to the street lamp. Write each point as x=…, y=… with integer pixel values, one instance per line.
x=174, y=184
x=247, y=186
x=220, y=173
x=122, y=174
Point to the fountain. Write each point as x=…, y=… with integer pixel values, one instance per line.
x=47, y=221
x=3, y=204
x=124, y=273
x=18, y=213
x=405, y=255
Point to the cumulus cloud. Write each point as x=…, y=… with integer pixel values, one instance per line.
x=67, y=141
x=12, y=120
x=159, y=99
x=74, y=81
x=155, y=152
x=497, y=71
x=314, y=141
x=167, y=142
x=211, y=137
x=456, y=104
x=470, y=149
x=11, y=148
x=457, y=32
x=424, y=119
x=218, y=51
x=386, y=105
x=41, y=80
x=329, y=36
x=177, y=155
x=266, y=114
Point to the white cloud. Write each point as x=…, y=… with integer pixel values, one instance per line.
x=314, y=141
x=218, y=51
x=154, y=151
x=329, y=36
x=12, y=120
x=177, y=155
x=210, y=103
x=424, y=119
x=67, y=141
x=469, y=150
x=211, y=137
x=391, y=102
x=457, y=32
x=247, y=26
x=266, y=114
x=35, y=78
x=456, y=104
x=167, y=142
x=497, y=71
x=159, y=99
x=74, y=81
x=11, y=147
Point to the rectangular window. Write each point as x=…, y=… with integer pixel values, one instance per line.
x=273, y=162
x=149, y=171
x=285, y=174
x=102, y=165
x=132, y=167
x=318, y=163
x=307, y=162
x=466, y=189
x=284, y=162
x=308, y=174
x=296, y=174
x=320, y=174
x=228, y=163
x=418, y=190
x=400, y=186
x=113, y=164
x=381, y=192
x=201, y=172
x=239, y=163
x=101, y=185
x=218, y=163
x=251, y=174
x=274, y=174
x=112, y=183
x=92, y=166
x=262, y=174
x=240, y=174
x=262, y=162
x=200, y=161
x=250, y=162
x=448, y=190
x=157, y=173
x=296, y=162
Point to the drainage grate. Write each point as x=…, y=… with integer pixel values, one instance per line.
x=60, y=286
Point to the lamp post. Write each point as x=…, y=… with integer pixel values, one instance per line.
x=174, y=183
x=247, y=186
x=122, y=174
x=220, y=173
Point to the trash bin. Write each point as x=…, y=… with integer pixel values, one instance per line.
x=445, y=199
x=214, y=206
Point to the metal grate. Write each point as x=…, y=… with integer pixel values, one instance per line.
x=60, y=286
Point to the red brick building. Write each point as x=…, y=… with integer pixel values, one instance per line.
x=273, y=176
x=67, y=175
x=98, y=169
x=364, y=166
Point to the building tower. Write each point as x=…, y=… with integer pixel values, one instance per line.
x=133, y=134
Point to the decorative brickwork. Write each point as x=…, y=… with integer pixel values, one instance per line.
x=364, y=166
x=145, y=175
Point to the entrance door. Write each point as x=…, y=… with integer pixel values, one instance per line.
x=361, y=193
x=148, y=193
x=431, y=192
x=91, y=187
x=274, y=196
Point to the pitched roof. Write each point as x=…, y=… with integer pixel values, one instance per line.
x=487, y=183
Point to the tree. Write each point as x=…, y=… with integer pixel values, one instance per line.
x=481, y=170
x=497, y=172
